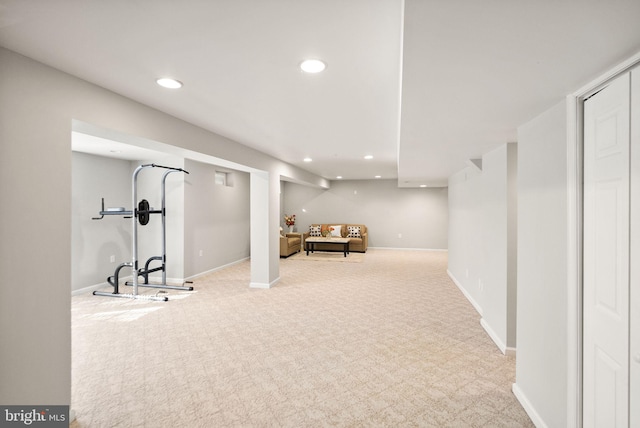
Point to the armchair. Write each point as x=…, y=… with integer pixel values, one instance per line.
x=290, y=243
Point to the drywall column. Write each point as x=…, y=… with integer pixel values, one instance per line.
x=512, y=244
x=35, y=232
x=498, y=212
x=541, y=365
x=263, y=204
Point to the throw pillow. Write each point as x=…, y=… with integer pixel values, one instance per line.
x=354, y=232
x=314, y=231
x=337, y=230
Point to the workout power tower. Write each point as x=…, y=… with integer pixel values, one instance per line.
x=141, y=215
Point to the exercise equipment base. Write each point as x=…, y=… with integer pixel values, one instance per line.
x=132, y=296
x=166, y=286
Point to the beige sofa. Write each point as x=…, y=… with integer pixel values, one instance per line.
x=356, y=244
x=290, y=243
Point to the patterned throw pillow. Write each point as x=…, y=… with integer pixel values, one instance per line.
x=354, y=232
x=314, y=231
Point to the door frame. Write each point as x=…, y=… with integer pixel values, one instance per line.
x=575, y=145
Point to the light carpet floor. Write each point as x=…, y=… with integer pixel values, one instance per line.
x=388, y=342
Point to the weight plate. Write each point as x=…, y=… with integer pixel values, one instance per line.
x=143, y=212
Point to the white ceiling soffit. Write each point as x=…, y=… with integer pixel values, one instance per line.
x=99, y=146
x=470, y=72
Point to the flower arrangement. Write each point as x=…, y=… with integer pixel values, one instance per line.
x=290, y=220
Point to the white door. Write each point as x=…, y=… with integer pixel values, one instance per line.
x=606, y=257
x=634, y=366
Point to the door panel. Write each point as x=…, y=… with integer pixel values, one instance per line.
x=606, y=257
x=607, y=373
x=608, y=253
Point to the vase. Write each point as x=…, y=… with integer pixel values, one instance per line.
x=290, y=229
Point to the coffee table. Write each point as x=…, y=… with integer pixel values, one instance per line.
x=313, y=240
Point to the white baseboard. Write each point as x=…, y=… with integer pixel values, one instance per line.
x=407, y=249
x=496, y=339
x=477, y=307
x=528, y=407
x=88, y=290
x=492, y=334
x=216, y=269
x=264, y=284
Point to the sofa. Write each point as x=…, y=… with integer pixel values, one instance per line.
x=359, y=241
x=290, y=243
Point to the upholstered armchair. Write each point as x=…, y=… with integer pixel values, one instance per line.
x=290, y=243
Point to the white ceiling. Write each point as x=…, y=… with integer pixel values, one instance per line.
x=422, y=85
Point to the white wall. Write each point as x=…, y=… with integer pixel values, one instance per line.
x=35, y=248
x=39, y=107
x=419, y=215
x=216, y=218
x=95, y=241
x=541, y=364
x=466, y=248
x=482, y=235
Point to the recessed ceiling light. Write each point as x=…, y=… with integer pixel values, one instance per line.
x=166, y=82
x=312, y=66
x=378, y=176
x=307, y=159
x=367, y=157
x=339, y=177
x=423, y=185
